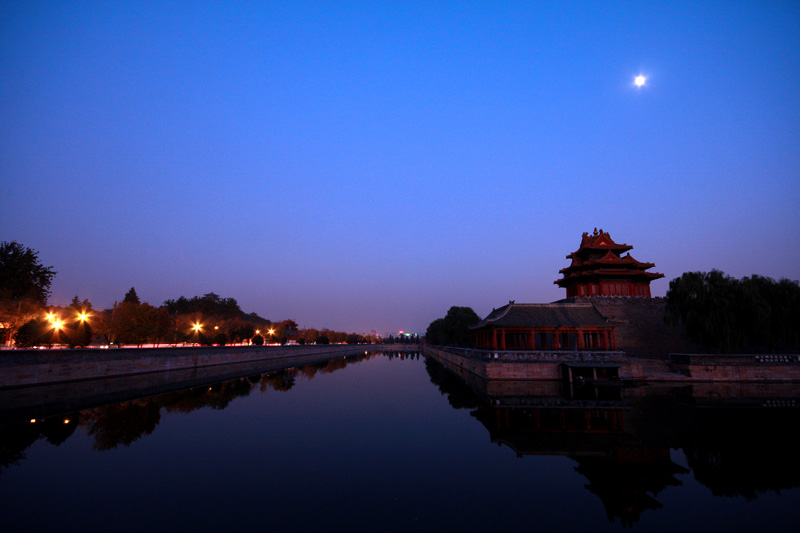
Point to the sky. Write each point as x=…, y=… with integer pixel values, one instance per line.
x=365, y=166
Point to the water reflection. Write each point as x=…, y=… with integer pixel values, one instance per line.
x=738, y=440
x=126, y=422
x=379, y=447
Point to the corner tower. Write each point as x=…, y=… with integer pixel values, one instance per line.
x=598, y=268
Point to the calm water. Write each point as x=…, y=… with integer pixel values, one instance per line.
x=383, y=442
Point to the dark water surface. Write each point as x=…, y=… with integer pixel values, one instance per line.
x=389, y=442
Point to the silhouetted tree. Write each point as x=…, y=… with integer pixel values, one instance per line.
x=209, y=305
x=725, y=314
x=78, y=333
x=131, y=297
x=24, y=286
x=31, y=333
x=133, y=323
x=453, y=329
x=354, y=338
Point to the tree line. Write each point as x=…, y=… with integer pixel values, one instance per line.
x=26, y=320
x=724, y=314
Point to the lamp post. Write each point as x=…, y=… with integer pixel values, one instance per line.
x=197, y=328
x=82, y=332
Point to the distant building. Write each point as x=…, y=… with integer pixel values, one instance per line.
x=557, y=326
x=598, y=268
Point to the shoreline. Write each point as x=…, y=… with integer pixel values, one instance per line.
x=494, y=365
x=21, y=368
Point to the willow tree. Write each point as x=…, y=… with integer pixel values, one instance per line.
x=725, y=314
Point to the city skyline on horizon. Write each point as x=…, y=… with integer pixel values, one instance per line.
x=367, y=167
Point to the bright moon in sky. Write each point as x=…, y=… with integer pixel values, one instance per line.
x=639, y=80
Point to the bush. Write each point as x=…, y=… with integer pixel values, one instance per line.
x=30, y=334
x=78, y=334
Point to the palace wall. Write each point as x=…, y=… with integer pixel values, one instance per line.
x=644, y=332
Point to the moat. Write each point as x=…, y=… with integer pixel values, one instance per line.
x=394, y=441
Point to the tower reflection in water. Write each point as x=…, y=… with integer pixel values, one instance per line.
x=738, y=440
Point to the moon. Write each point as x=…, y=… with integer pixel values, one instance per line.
x=639, y=80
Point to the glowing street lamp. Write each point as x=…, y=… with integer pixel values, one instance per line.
x=83, y=317
x=197, y=327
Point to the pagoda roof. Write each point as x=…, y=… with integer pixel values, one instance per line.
x=545, y=315
x=610, y=258
x=600, y=257
x=577, y=276
x=599, y=240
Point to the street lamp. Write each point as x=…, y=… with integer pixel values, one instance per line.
x=197, y=327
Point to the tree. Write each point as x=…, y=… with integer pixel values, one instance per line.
x=31, y=333
x=24, y=286
x=133, y=323
x=285, y=330
x=453, y=329
x=132, y=297
x=209, y=305
x=79, y=306
x=354, y=338
x=725, y=314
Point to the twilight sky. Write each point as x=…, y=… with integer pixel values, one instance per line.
x=366, y=165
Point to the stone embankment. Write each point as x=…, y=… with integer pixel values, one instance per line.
x=37, y=367
x=492, y=365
